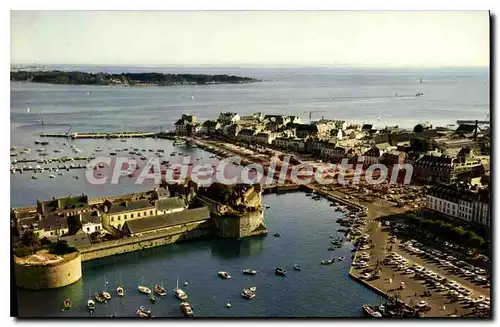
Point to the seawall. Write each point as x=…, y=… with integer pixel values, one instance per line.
x=131, y=244
x=36, y=276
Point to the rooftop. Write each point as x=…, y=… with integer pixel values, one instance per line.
x=163, y=221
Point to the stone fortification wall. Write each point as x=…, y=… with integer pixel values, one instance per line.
x=238, y=226
x=44, y=276
x=159, y=238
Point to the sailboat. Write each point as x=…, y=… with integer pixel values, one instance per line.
x=180, y=294
x=160, y=290
x=143, y=289
x=67, y=304
x=119, y=290
x=90, y=303
x=105, y=294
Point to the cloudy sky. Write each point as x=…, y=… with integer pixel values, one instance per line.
x=316, y=38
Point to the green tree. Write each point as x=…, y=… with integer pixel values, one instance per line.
x=31, y=239
x=418, y=128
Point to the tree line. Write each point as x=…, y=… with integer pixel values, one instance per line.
x=81, y=78
x=445, y=230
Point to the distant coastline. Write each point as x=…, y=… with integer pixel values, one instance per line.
x=127, y=79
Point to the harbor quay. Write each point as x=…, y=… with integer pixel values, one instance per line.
x=393, y=282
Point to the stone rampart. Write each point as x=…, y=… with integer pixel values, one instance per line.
x=35, y=276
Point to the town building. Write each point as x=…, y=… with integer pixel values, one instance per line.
x=246, y=135
x=91, y=222
x=290, y=143
x=265, y=138
x=210, y=127
x=460, y=201
x=116, y=214
x=228, y=118
x=186, y=126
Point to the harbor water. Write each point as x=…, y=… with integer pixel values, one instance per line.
x=316, y=290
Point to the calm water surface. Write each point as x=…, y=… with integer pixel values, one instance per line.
x=315, y=291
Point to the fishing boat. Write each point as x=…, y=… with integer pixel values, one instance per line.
x=277, y=235
x=180, y=294
x=296, y=267
x=280, y=272
x=249, y=272
x=224, y=275
x=160, y=290
x=340, y=258
x=369, y=311
x=186, y=309
x=67, y=304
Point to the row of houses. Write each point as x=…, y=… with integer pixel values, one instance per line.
x=458, y=201
x=57, y=217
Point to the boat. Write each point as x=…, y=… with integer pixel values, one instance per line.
x=99, y=297
x=32, y=177
x=120, y=291
x=144, y=289
x=91, y=305
x=224, y=275
x=67, y=304
x=249, y=272
x=296, y=267
x=248, y=294
x=152, y=298
x=327, y=262
x=369, y=311
x=143, y=312
x=106, y=295
x=186, y=309
x=160, y=290
x=280, y=272
x=277, y=235
x=340, y=258
x=180, y=294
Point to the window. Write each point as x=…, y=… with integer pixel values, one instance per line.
x=112, y=219
x=151, y=212
x=138, y=214
x=88, y=229
x=131, y=215
x=51, y=233
x=119, y=218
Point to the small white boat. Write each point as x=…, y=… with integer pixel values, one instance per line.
x=224, y=275
x=91, y=305
x=52, y=176
x=106, y=295
x=120, y=291
x=144, y=289
x=180, y=294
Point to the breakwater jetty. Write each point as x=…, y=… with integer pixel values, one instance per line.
x=101, y=135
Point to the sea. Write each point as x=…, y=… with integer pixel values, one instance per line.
x=379, y=96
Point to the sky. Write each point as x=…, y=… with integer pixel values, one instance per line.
x=293, y=38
